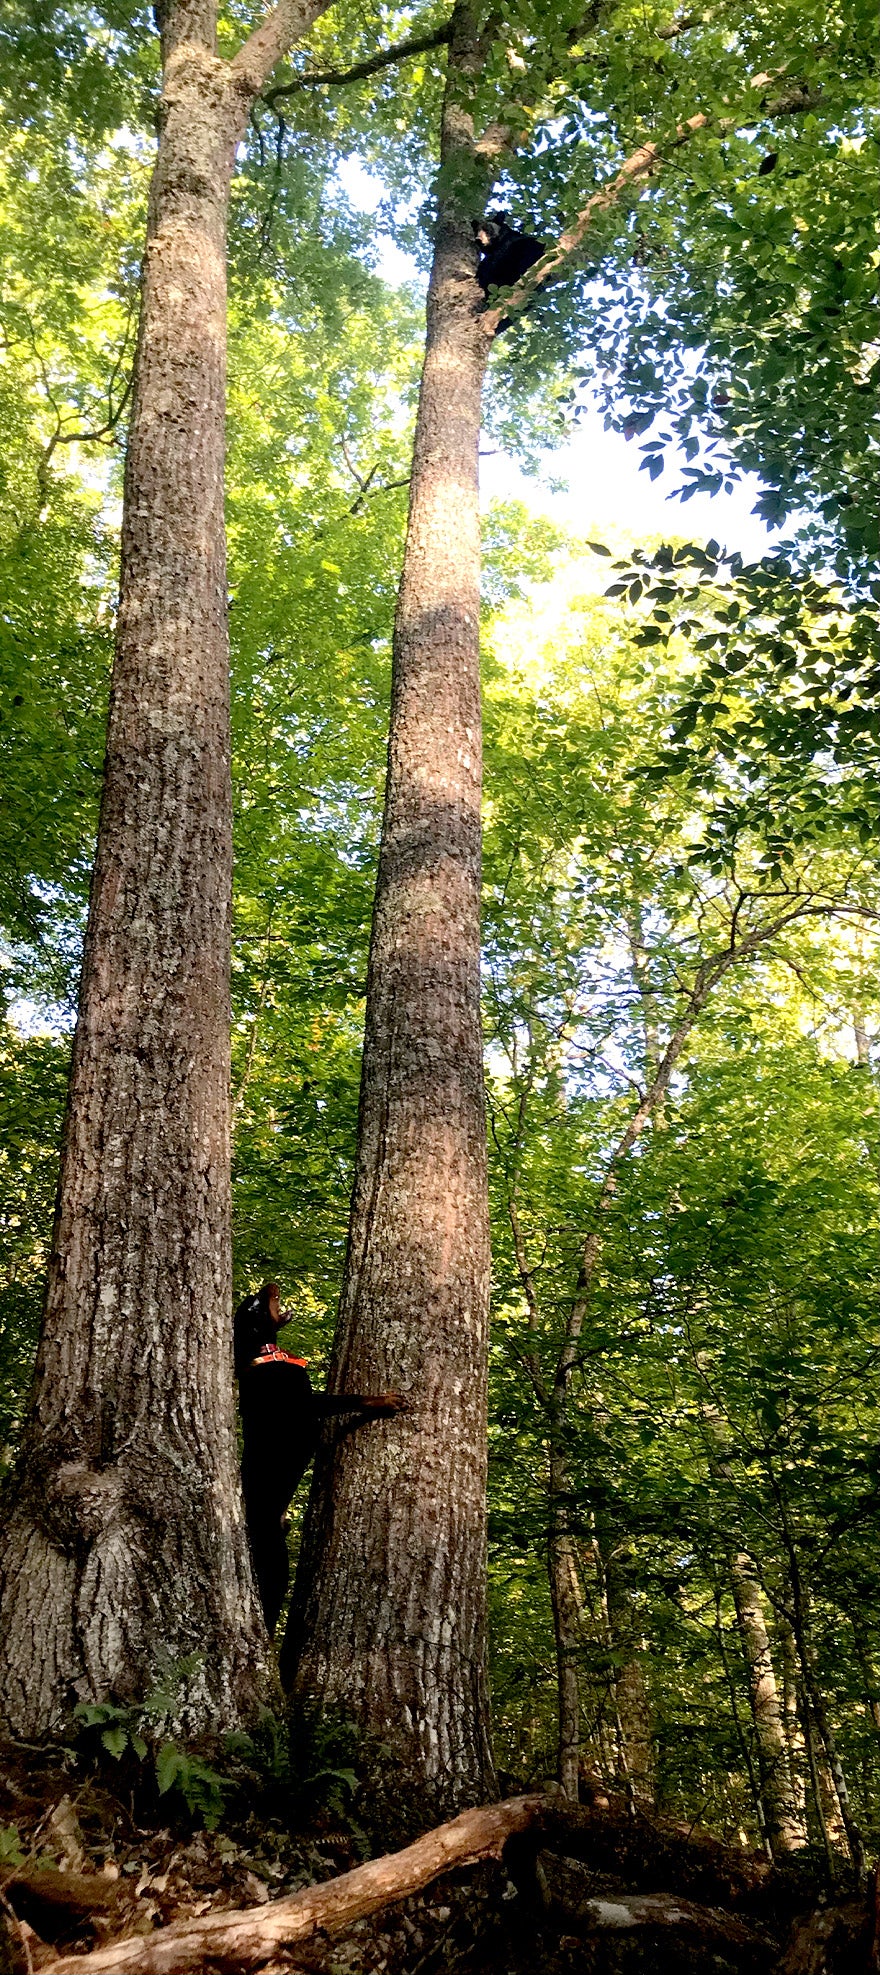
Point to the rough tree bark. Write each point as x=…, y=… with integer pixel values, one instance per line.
x=632, y=1700
x=388, y=1621
x=125, y=1546
x=785, y=1829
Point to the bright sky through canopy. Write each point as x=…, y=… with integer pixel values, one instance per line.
x=605, y=488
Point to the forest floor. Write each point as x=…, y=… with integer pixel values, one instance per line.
x=88, y=1860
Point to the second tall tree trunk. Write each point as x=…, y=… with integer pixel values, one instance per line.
x=388, y=1626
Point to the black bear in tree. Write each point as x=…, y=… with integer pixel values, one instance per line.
x=506, y=253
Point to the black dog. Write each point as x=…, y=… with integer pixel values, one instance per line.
x=281, y=1419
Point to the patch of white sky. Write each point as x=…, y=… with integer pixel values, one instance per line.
x=593, y=485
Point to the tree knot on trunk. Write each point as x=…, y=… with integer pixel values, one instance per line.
x=193, y=72
x=83, y=1501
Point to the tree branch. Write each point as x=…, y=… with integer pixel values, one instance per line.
x=370, y=493
x=284, y=25
x=417, y=44
x=708, y=974
x=639, y=166
x=530, y=1359
x=682, y=26
x=98, y=432
x=239, y=1941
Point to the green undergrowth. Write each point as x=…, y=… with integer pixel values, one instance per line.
x=293, y=1771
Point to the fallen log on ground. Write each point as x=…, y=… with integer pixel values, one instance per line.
x=249, y=1939
x=679, y=1878
x=569, y=1895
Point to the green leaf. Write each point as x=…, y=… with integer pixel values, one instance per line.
x=11, y=1853
x=168, y=1767
x=115, y=1740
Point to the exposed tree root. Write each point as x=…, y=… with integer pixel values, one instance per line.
x=251, y=1939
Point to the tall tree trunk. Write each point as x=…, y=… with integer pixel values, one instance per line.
x=566, y=1599
x=815, y=1699
x=785, y=1831
x=388, y=1622
x=741, y=1736
x=784, y=1828
x=125, y=1547
x=632, y=1699
x=794, y=1735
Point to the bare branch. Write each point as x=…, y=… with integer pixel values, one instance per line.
x=417, y=44
x=357, y=477
x=269, y=214
x=98, y=432
x=369, y=492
